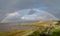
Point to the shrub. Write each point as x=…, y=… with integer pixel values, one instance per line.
x=55, y=32
x=35, y=33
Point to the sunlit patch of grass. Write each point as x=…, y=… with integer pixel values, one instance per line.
x=11, y=33
x=16, y=32
x=42, y=23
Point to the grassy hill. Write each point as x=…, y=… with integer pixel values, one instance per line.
x=42, y=27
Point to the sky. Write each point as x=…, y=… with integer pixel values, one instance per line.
x=29, y=15
x=11, y=6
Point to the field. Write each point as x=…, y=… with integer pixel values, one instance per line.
x=42, y=27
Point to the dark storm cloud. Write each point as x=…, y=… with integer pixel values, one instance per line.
x=8, y=6
x=31, y=12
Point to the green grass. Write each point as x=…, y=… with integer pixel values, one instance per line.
x=55, y=32
x=10, y=33
x=35, y=33
x=17, y=32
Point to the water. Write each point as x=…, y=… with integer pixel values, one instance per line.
x=13, y=26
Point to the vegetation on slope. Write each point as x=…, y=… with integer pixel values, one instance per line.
x=42, y=29
x=55, y=32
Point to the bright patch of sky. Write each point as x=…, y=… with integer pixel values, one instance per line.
x=29, y=17
x=23, y=15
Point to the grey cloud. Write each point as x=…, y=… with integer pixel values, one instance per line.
x=37, y=15
x=9, y=6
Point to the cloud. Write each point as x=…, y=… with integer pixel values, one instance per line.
x=33, y=10
x=9, y=6
x=13, y=14
x=23, y=15
x=29, y=17
x=10, y=17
